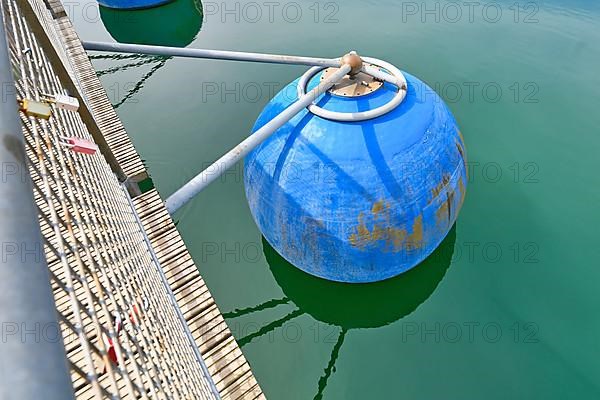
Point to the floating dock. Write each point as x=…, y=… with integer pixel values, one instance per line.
x=136, y=317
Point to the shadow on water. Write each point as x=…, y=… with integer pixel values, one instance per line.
x=173, y=24
x=350, y=306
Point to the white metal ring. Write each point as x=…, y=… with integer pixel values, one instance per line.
x=394, y=77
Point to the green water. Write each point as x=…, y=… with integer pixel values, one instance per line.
x=508, y=307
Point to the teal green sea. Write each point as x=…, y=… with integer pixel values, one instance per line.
x=508, y=307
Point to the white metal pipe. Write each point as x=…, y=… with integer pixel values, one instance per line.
x=396, y=78
x=33, y=364
x=203, y=179
x=209, y=54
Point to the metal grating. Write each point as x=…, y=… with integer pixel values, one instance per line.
x=102, y=266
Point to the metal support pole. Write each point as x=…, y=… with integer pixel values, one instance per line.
x=203, y=179
x=210, y=54
x=33, y=364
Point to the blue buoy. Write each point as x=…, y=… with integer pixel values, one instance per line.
x=132, y=4
x=358, y=201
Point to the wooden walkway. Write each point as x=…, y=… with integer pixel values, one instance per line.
x=226, y=363
x=224, y=359
x=69, y=224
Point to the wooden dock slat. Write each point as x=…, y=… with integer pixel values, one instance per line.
x=225, y=361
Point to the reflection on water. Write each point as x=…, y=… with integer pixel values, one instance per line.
x=350, y=306
x=174, y=24
x=140, y=83
x=369, y=305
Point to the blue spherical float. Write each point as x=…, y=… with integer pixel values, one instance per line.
x=357, y=201
x=132, y=4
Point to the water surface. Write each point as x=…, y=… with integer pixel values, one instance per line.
x=508, y=307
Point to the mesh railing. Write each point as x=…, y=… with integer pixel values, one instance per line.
x=123, y=332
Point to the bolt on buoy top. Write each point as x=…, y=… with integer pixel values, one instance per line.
x=356, y=82
x=353, y=59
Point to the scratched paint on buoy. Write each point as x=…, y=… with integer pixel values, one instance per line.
x=358, y=201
